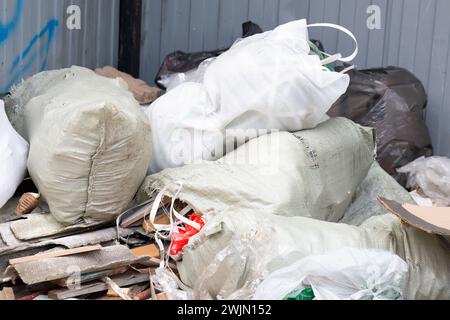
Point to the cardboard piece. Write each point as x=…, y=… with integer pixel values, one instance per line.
x=146, y=251
x=7, y=294
x=432, y=220
x=150, y=228
x=141, y=91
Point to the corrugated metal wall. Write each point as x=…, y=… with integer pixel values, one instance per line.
x=34, y=36
x=415, y=34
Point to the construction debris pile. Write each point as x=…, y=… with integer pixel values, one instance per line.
x=234, y=184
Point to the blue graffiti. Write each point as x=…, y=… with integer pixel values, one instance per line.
x=7, y=28
x=37, y=49
x=30, y=55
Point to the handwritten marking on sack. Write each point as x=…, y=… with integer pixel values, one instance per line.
x=310, y=153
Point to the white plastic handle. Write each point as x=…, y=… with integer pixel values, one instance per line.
x=346, y=31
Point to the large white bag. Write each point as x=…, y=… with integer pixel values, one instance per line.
x=13, y=158
x=267, y=81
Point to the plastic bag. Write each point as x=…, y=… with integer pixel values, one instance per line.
x=346, y=274
x=177, y=65
x=173, y=80
x=181, y=237
x=233, y=262
x=393, y=101
x=269, y=81
x=13, y=158
x=432, y=177
x=167, y=282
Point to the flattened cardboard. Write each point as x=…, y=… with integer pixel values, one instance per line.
x=432, y=220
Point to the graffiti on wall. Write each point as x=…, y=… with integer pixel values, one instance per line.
x=37, y=50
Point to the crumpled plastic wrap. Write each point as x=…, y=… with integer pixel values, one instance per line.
x=345, y=274
x=255, y=245
x=173, y=80
x=432, y=177
x=167, y=282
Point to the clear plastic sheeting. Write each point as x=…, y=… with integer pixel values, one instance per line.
x=431, y=176
x=173, y=80
x=165, y=281
x=346, y=274
x=241, y=253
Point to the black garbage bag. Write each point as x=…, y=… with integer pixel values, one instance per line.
x=181, y=62
x=393, y=101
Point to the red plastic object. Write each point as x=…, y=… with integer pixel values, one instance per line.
x=181, y=238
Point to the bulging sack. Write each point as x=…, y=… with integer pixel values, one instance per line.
x=268, y=81
x=89, y=142
x=311, y=173
x=13, y=158
x=235, y=251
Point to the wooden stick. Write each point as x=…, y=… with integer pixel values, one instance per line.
x=55, y=254
x=144, y=295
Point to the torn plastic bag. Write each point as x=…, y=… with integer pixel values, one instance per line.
x=89, y=152
x=311, y=173
x=432, y=177
x=13, y=158
x=179, y=63
x=345, y=274
x=393, y=101
x=283, y=88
